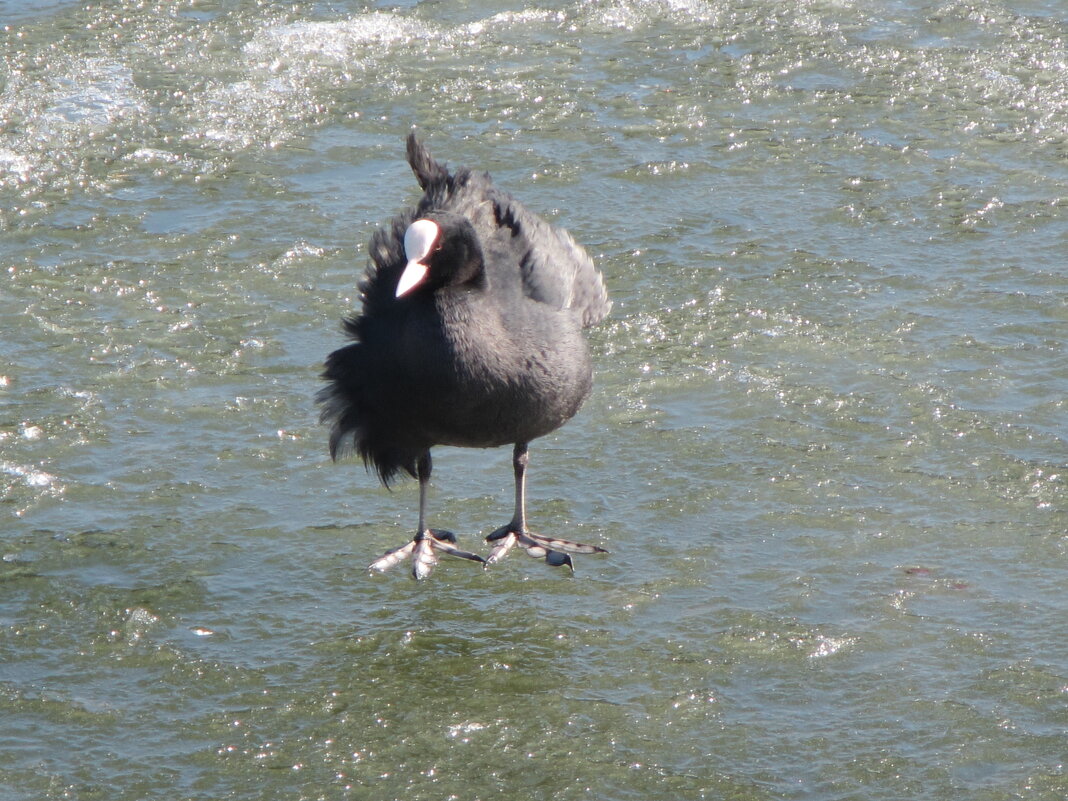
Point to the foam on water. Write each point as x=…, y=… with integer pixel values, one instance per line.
x=91, y=94
x=345, y=42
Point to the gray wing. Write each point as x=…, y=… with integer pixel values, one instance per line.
x=555, y=269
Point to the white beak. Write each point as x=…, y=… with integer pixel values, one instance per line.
x=413, y=275
x=419, y=240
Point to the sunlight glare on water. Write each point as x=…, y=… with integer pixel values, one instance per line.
x=825, y=449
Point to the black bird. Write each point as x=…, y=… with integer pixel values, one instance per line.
x=471, y=335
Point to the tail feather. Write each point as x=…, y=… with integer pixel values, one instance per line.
x=427, y=170
x=355, y=418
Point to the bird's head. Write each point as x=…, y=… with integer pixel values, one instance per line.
x=441, y=250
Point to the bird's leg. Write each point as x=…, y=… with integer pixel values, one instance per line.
x=426, y=542
x=555, y=551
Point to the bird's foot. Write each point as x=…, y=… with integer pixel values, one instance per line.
x=556, y=552
x=424, y=551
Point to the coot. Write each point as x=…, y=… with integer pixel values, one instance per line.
x=470, y=335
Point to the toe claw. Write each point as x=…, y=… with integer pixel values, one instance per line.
x=559, y=558
x=424, y=550
x=392, y=558
x=553, y=544
x=446, y=548
x=501, y=549
x=554, y=551
x=424, y=558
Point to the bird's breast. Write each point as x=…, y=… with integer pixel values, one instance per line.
x=508, y=378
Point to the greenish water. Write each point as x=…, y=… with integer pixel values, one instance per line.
x=826, y=448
